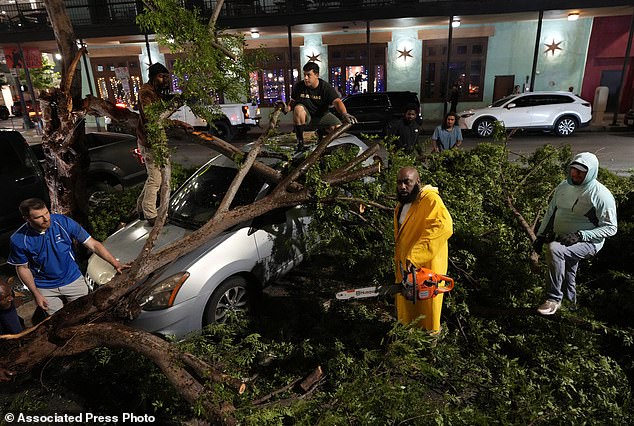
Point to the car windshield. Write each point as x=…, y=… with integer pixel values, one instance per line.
x=197, y=201
x=502, y=101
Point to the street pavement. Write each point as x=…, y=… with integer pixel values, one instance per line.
x=611, y=143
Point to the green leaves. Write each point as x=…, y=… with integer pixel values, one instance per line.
x=210, y=63
x=494, y=362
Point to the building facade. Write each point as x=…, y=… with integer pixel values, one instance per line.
x=484, y=48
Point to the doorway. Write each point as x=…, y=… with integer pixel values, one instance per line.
x=503, y=86
x=612, y=80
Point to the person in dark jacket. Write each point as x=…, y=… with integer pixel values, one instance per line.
x=454, y=97
x=154, y=91
x=406, y=129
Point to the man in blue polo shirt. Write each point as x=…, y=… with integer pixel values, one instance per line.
x=42, y=253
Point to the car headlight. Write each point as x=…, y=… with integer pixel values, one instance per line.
x=469, y=114
x=161, y=295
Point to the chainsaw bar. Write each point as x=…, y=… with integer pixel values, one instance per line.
x=366, y=292
x=424, y=285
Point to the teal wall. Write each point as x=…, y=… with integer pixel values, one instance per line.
x=509, y=52
x=566, y=67
x=404, y=72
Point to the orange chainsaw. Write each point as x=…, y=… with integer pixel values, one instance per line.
x=417, y=284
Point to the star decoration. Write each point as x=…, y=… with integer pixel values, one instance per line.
x=552, y=47
x=404, y=54
x=314, y=57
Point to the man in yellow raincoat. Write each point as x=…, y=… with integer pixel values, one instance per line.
x=422, y=226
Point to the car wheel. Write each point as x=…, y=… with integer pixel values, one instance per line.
x=484, y=127
x=230, y=297
x=104, y=186
x=565, y=126
x=4, y=114
x=223, y=130
x=99, y=190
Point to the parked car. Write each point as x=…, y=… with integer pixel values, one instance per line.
x=204, y=286
x=628, y=120
x=375, y=111
x=236, y=119
x=21, y=177
x=560, y=112
x=16, y=109
x=115, y=161
x=4, y=112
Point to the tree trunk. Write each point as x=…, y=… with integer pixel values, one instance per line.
x=95, y=319
x=63, y=140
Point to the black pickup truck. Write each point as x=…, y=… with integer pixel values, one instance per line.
x=374, y=111
x=115, y=162
x=21, y=177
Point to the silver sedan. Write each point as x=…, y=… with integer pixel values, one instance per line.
x=204, y=286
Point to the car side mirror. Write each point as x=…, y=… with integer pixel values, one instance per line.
x=511, y=105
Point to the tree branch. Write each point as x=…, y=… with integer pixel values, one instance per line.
x=362, y=201
x=165, y=355
x=142, y=259
x=339, y=178
x=269, y=174
x=237, y=181
x=527, y=175
x=534, y=257
x=68, y=78
x=103, y=108
x=215, y=14
x=359, y=159
x=311, y=159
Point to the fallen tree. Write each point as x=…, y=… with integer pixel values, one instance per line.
x=96, y=319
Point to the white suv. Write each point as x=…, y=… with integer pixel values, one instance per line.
x=561, y=112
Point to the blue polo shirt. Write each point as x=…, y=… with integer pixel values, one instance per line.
x=49, y=254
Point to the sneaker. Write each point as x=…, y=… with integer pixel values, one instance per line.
x=549, y=307
x=151, y=221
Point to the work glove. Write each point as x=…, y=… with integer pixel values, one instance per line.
x=281, y=106
x=570, y=239
x=538, y=244
x=349, y=118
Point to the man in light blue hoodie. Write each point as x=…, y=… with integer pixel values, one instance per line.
x=581, y=214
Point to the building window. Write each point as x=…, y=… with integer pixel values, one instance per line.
x=466, y=69
x=274, y=86
x=275, y=79
x=120, y=86
x=349, y=71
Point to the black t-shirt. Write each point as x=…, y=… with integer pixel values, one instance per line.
x=315, y=100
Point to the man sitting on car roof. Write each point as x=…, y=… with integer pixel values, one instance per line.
x=310, y=100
